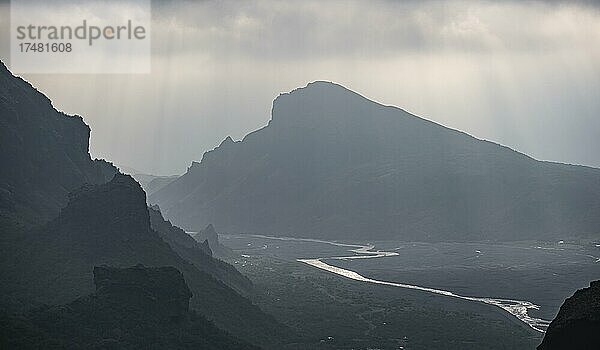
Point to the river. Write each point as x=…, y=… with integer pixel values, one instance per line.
x=517, y=308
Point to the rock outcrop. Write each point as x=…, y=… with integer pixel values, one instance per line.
x=209, y=237
x=44, y=155
x=577, y=325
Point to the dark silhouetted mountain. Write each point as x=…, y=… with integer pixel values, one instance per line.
x=577, y=325
x=109, y=224
x=333, y=164
x=44, y=155
x=200, y=254
x=132, y=308
x=69, y=216
x=210, y=237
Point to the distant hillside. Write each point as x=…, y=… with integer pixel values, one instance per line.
x=333, y=164
x=44, y=156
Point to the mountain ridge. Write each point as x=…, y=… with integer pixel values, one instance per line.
x=45, y=155
x=331, y=161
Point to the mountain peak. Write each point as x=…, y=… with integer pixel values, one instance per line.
x=317, y=87
x=320, y=101
x=227, y=141
x=103, y=205
x=324, y=84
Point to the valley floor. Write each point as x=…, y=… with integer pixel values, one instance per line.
x=332, y=312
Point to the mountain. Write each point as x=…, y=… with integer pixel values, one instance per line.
x=200, y=254
x=333, y=164
x=62, y=214
x=577, y=325
x=132, y=308
x=45, y=155
x=109, y=224
x=210, y=237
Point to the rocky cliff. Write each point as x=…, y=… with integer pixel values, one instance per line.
x=44, y=155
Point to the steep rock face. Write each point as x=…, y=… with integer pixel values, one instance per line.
x=44, y=155
x=577, y=325
x=109, y=224
x=133, y=308
x=332, y=163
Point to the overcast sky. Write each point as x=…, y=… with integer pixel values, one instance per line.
x=522, y=73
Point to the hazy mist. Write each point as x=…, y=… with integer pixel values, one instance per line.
x=524, y=74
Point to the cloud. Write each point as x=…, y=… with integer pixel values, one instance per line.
x=315, y=29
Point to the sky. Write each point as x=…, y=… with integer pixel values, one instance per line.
x=525, y=74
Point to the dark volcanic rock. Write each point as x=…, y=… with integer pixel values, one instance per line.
x=333, y=164
x=44, y=155
x=577, y=325
x=160, y=291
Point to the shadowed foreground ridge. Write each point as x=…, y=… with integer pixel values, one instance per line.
x=160, y=291
x=109, y=224
x=132, y=308
x=333, y=164
x=577, y=325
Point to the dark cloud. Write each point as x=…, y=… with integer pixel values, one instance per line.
x=311, y=29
